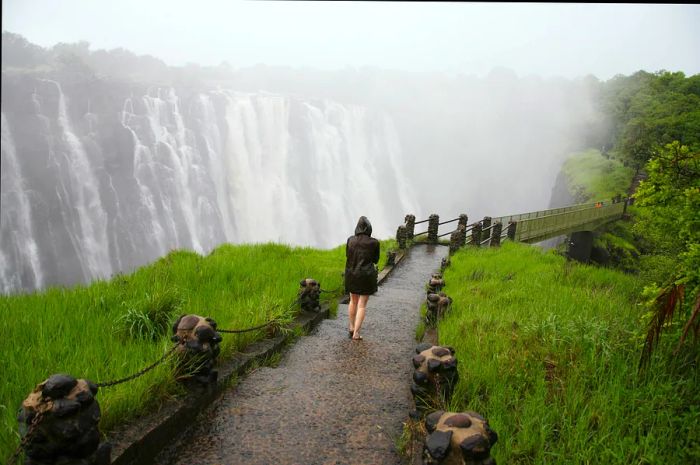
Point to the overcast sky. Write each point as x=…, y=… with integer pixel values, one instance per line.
x=566, y=40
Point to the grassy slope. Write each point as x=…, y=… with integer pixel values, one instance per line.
x=78, y=331
x=548, y=351
x=590, y=176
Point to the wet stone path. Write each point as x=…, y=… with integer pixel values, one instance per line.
x=330, y=400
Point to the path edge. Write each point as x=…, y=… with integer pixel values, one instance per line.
x=140, y=441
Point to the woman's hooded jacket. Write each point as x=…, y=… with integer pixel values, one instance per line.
x=362, y=254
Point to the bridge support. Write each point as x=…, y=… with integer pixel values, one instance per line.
x=580, y=246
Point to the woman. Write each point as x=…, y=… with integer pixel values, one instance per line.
x=362, y=254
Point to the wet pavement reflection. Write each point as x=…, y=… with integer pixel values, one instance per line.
x=330, y=400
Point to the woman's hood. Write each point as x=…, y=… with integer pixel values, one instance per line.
x=363, y=227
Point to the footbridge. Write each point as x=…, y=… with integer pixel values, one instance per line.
x=531, y=227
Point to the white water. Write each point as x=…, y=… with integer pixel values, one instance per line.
x=19, y=258
x=79, y=192
x=217, y=167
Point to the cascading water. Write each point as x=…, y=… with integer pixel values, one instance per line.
x=19, y=258
x=101, y=180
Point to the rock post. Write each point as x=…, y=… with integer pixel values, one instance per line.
x=458, y=439
x=433, y=225
x=410, y=222
x=309, y=295
x=435, y=373
x=198, y=348
x=66, y=431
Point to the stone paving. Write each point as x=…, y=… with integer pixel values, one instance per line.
x=330, y=400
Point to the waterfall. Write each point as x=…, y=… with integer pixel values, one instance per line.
x=19, y=256
x=79, y=192
x=121, y=178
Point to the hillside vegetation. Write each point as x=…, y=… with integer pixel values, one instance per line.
x=548, y=352
x=591, y=176
x=111, y=329
x=653, y=125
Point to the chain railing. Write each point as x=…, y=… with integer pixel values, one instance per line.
x=181, y=343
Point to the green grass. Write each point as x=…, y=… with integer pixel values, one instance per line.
x=548, y=352
x=590, y=176
x=111, y=329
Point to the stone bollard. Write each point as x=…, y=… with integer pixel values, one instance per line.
x=444, y=263
x=485, y=225
x=390, y=258
x=454, y=242
x=309, y=295
x=496, y=234
x=435, y=283
x=198, y=348
x=458, y=439
x=67, y=429
x=463, y=219
x=401, y=236
x=462, y=230
x=410, y=221
x=511, y=229
x=437, y=306
x=476, y=235
x=435, y=373
x=433, y=225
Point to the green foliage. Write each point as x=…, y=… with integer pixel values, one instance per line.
x=668, y=204
x=548, y=352
x=669, y=215
x=591, y=176
x=112, y=329
x=150, y=317
x=650, y=110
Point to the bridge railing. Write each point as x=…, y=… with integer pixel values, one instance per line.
x=541, y=225
x=528, y=227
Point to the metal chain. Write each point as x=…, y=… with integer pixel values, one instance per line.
x=140, y=373
x=27, y=437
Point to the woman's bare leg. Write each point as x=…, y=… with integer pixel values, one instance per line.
x=360, y=316
x=352, y=310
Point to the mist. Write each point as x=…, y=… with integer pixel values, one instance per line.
x=113, y=157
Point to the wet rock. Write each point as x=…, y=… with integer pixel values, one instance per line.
x=440, y=351
x=309, y=295
x=58, y=386
x=470, y=442
x=417, y=360
x=445, y=263
x=459, y=421
x=67, y=432
x=198, y=349
x=63, y=407
x=435, y=373
x=475, y=447
x=437, y=305
x=432, y=419
x=438, y=444
x=434, y=365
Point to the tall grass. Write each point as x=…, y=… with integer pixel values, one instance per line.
x=548, y=351
x=590, y=176
x=111, y=329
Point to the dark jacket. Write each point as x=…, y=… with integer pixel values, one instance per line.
x=362, y=254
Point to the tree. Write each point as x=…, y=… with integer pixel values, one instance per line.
x=669, y=214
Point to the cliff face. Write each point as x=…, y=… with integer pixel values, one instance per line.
x=100, y=177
